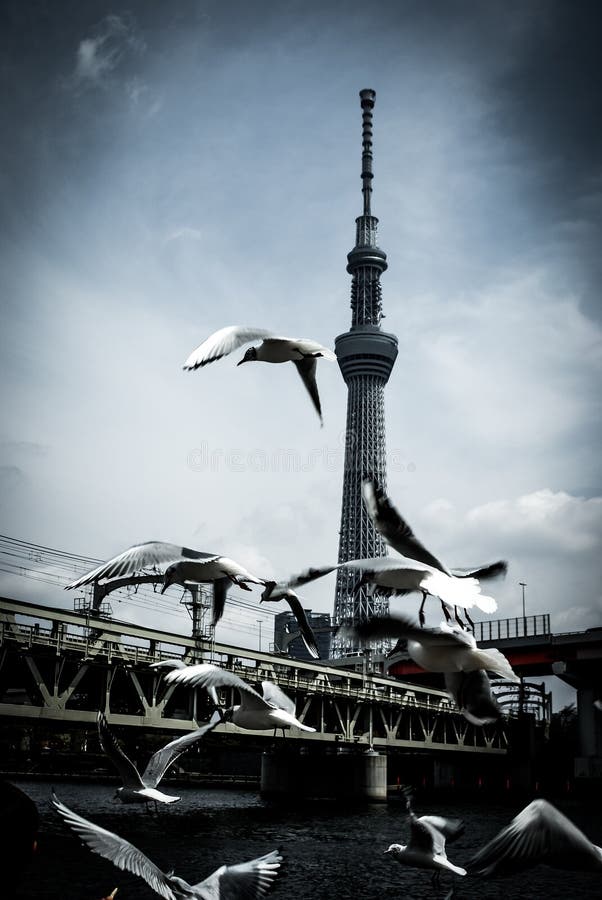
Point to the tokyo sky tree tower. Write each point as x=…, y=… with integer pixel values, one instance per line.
x=366, y=356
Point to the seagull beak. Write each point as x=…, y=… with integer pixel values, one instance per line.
x=240, y=363
x=268, y=590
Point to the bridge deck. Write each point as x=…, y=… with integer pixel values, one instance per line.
x=55, y=665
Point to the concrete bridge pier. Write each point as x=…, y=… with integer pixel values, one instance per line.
x=589, y=763
x=346, y=775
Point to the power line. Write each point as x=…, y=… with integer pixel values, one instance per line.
x=71, y=565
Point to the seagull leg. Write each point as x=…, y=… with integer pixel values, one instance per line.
x=468, y=619
x=421, y=617
x=457, y=618
x=446, y=611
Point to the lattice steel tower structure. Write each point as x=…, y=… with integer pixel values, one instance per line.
x=366, y=356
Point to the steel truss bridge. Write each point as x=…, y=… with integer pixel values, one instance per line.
x=57, y=666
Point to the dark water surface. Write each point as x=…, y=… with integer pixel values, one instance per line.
x=329, y=851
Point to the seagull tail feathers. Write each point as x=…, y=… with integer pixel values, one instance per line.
x=495, y=662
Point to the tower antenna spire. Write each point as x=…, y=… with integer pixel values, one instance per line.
x=367, y=99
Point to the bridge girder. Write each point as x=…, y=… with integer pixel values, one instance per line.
x=58, y=670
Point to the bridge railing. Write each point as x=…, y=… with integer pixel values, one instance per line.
x=28, y=635
x=506, y=629
x=89, y=642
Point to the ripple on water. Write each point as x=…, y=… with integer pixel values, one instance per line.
x=330, y=852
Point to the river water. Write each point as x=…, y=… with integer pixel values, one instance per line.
x=330, y=851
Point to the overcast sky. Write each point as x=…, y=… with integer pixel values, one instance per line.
x=170, y=169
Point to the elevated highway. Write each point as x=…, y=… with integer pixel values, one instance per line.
x=534, y=651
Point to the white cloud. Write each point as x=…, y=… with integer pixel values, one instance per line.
x=100, y=55
x=92, y=62
x=546, y=521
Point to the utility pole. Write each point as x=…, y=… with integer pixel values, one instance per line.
x=259, y=623
x=523, y=586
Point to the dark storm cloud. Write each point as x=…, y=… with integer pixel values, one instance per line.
x=552, y=99
x=537, y=62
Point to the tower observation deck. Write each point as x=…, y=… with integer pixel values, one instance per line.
x=366, y=356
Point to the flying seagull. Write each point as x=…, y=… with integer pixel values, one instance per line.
x=540, y=833
x=185, y=566
x=444, y=649
x=452, y=651
x=245, y=881
x=274, y=594
x=142, y=788
x=399, y=576
x=397, y=533
x=471, y=692
x=426, y=848
x=255, y=712
x=273, y=349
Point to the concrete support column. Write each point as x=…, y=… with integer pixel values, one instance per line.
x=589, y=762
x=350, y=776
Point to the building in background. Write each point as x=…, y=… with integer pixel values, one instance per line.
x=287, y=637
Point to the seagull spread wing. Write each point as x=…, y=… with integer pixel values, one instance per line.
x=307, y=370
x=449, y=828
x=207, y=676
x=245, y=881
x=119, y=851
x=423, y=836
x=304, y=346
x=223, y=342
x=277, y=698
x=400, y=627
x=152, y=554
x=220, y=592
x=281, y=590
x=160, y=761
x=111, y=747
x=491, y=570
x=394, y=529
x=304, y=627
x=471, y=691
x=386, y=564
x=168, y=664
x=308, y=575
x=538, y=834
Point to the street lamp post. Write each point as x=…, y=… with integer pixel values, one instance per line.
x=523, y=586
